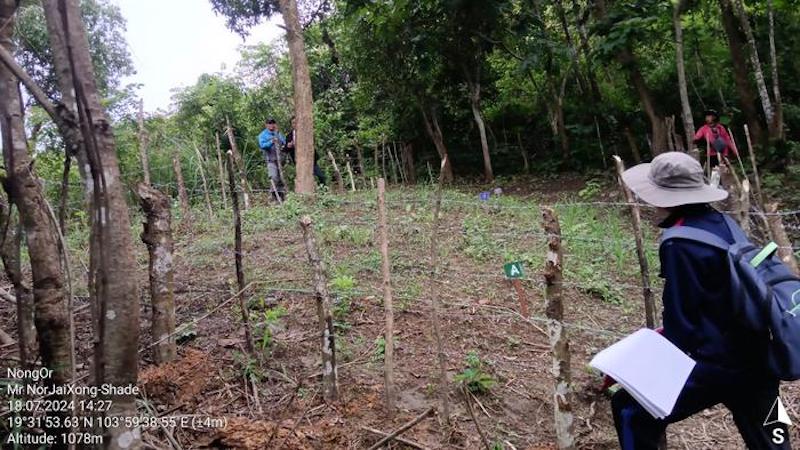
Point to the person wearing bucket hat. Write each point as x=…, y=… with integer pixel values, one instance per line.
x=672, y=179
x=698, y=314
x=715, y=137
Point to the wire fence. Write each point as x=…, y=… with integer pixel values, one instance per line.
x=616, y=282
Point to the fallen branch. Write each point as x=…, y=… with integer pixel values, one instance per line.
x=168, y=433
x=472, y=416
x=288, y=405
x=7, y=296
x=6, y=339
x=403, y=441
x=402, y=429
x=305, y=413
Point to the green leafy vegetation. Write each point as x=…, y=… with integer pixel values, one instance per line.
x=265, y=327
x=473, y=377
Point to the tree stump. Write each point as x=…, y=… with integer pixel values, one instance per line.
x=157, y=235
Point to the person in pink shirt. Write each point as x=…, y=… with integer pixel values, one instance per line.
x=716, y=138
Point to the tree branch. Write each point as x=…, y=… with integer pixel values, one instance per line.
x=8, y=60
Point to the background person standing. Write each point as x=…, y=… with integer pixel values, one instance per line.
x=268, y=141
x=716, y=138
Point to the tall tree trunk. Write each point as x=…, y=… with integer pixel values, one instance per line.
x=157, y=235
x=741, y=76
x=755, y=60
x=525, y=164
x=573, y=51
x=408, y=162
x=686, y=107
x=630, y=64
x=632, y=144
x=10, y=237
x=303, y=99
x=777, y=124
x=435, y=133
x=115, y=287
x=558, y=121
x=64, y=194
x=360, y=157
x=658, y=129
x=475, y=104
x=52, y=315
x=69, y=127
x=585, y=49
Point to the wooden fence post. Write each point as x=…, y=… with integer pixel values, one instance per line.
x=388, y=357
x=329, y=374
x=239, y=164
x=644, y=266
x=157, y=235
x=760, y=194
x=559, y=343
x=735, y=188
x=436, y=303
x=744, y=205
x=785, y=252
x=237, y=223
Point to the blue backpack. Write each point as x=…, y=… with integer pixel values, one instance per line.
x=765, y=294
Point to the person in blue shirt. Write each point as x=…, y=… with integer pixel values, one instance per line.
x=268, y=141
x=698, y=315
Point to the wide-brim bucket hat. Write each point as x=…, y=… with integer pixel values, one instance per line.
x=672, y=179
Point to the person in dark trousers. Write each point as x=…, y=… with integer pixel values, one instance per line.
x=715, y=137
x=268, y=141
x=698, y=315
x=290, y=148
x=290, y=140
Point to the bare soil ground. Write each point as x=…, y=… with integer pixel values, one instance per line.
x=214, y=379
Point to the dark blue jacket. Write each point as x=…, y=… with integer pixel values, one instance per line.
x=697, y=310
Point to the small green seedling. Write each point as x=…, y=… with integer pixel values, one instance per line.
x=473, y=377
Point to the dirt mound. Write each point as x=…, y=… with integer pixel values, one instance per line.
x=178, y=382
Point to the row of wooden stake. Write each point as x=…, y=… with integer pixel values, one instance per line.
x=562, y=403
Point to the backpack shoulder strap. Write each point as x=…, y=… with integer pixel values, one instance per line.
x=697, y=235
x=736, y=231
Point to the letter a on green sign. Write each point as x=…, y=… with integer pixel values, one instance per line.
x=513, y=270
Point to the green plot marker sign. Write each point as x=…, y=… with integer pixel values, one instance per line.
x=513, y=271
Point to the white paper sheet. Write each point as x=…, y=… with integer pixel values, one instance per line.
x=649, y=367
